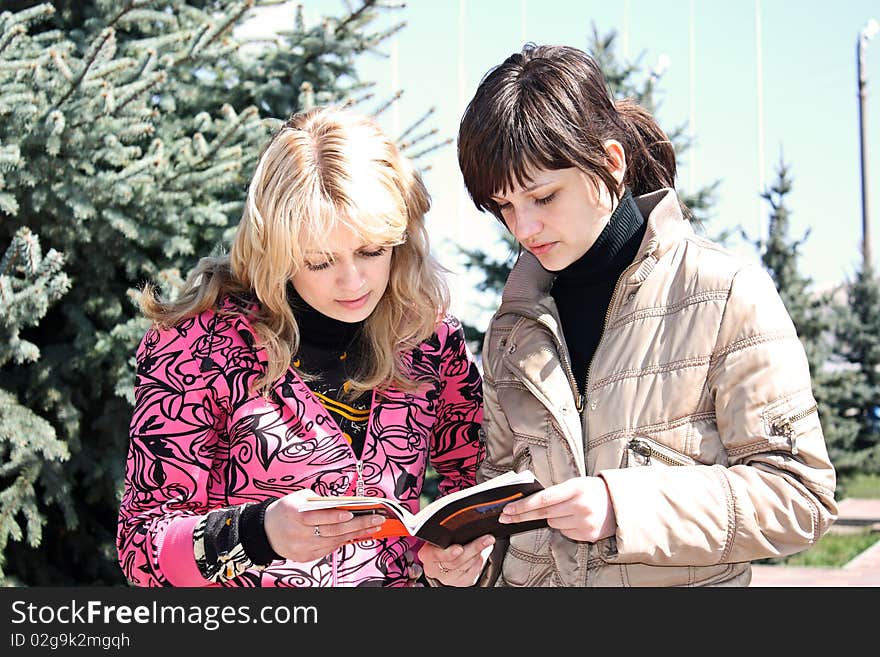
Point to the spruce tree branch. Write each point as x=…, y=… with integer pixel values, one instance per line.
x=158, y=78
x=127, y=6
x=106, y=34
x=388, y=103
x=218, y=32
x=415, y=125
x=431, y=149
x=224, y=137
x=367, y=4
x=420, y=138
x=9, y=37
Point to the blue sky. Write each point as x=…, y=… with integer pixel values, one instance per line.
x=809, y=100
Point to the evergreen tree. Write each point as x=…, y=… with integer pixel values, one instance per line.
x=626, y=80
x=779, y=255
x=812, y=315
x=127, y=133
x=29, y=283
x=857, y=349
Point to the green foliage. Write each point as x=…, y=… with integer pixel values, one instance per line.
x=29, y=283
x=860, y=486
x=856, y=358
x=128, y=131
x=626, y=80
x=833, y=550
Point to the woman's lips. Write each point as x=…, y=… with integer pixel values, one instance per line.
x=354, y=304
x=540, y=249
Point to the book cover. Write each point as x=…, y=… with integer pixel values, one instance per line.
x=459, y=517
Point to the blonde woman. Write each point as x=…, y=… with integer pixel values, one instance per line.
x=318, y=357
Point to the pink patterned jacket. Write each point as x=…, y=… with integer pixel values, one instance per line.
x=200, y=440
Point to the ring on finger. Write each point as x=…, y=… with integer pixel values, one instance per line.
x=443, y=569
x=317, y=530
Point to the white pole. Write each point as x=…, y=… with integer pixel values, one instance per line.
x=462, y=102
x=395, y=84
x=692, y=122
x=871, y=29
x=759, y=63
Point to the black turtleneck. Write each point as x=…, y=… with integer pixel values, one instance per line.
x=319, y=330
x=331, y=351
x=583, y=290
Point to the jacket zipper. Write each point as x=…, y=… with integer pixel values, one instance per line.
x=624, y=273
x=785, y=426
x=648, y=451
x=360, y=488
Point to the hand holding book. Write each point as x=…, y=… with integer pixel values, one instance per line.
x=457, y=518
x=456, y=565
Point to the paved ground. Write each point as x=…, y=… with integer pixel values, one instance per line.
x=864, y=570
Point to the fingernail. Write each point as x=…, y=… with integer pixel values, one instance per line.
x=377, y=520
x=504, y=519
x=345, y=515
x=457, y=551
x=489, y=540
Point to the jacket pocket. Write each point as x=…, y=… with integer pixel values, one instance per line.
x=643, y=451
x=784, y=418
x=528, y=561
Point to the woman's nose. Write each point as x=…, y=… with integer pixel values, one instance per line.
x=526, y=225
x=350, y=276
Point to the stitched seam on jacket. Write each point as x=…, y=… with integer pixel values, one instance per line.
x=595, y=562
x=731, y=514
x=485, y=465
x=532, y=440
x=659, y=426
x=659, y=311
x=684, y=363
x=752, y=341
x=531, y=558
x=814, y=514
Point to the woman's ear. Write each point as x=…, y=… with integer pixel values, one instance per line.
x=616, y=159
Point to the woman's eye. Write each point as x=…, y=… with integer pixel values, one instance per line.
x=503, y=206
x=546, y=199
x=374, y=254
x=317, y=267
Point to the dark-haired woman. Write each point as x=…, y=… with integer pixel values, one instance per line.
x=652, y=381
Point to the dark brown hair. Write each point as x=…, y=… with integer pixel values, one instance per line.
x=550, y=107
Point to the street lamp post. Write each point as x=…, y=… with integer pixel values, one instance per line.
x=866, y=34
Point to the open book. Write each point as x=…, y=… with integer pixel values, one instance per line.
x=458, y=517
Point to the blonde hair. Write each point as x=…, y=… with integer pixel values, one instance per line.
x=326, y=167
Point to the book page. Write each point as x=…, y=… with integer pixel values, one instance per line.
x=359, y=505
x=501, y=480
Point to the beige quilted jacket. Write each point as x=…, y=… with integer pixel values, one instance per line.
x=698, y=413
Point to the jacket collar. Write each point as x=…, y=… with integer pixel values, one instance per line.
x=529, y=283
